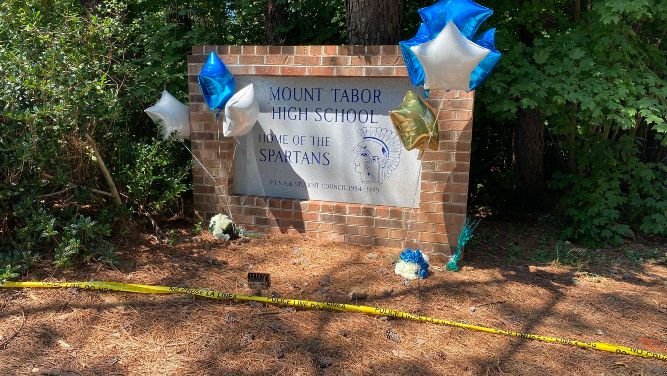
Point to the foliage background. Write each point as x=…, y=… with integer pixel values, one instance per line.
x=594, y=71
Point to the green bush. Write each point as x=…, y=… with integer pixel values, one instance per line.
x=155, y=178
x=615, y=191
x=69, y=78
x=597, y=77
x=68, y=234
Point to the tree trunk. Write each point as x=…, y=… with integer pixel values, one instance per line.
x=372, y=22
x=571, y=140
x=274, y=19
x=529, y=157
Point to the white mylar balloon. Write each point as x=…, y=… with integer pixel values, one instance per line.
x=241, y=112
x=171, y=115
x=449, y=59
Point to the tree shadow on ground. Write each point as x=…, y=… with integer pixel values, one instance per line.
x=180, y=334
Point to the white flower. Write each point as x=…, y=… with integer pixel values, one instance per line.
x=407, y=270
x=220, y=226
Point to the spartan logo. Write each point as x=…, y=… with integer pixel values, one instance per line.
x=377, y=155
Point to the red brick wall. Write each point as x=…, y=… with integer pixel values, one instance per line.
x=444, y=179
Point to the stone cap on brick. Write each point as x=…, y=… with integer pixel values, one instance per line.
x=325, y=61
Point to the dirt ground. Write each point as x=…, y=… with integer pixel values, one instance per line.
x=507, y=282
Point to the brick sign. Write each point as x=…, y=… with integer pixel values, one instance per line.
x=327, y=139
x=345, y=198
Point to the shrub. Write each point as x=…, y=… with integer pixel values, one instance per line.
x=614, y=191
x=68, y=89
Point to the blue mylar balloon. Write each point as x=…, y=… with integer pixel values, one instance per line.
x=216, y=82
x=466, y=14
x=487, y=40
x=415, y=69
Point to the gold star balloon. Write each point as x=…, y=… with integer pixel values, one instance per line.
x=416, y=123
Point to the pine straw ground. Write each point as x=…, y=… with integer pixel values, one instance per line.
x=72, y=332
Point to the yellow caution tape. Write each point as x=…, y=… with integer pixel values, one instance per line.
x=149, y=289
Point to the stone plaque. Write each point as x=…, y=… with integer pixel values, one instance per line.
x=331, y=139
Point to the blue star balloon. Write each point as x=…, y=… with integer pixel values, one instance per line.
x=415, y=69
x=487, y=40
x=216, y=83
x=466, y=14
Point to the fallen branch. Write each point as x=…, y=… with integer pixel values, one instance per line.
x=490, y=303
x=158, y=231
x=103, y=193
x=73, y=186
x=105, y=171
x=474, y=308
x=15, y=333
x=156, y=227
x=67, y=188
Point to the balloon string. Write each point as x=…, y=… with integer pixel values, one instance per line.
x=417, y=185
x=215, y=185
x=412, y=211
x=225, y=196
x=197, y=159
